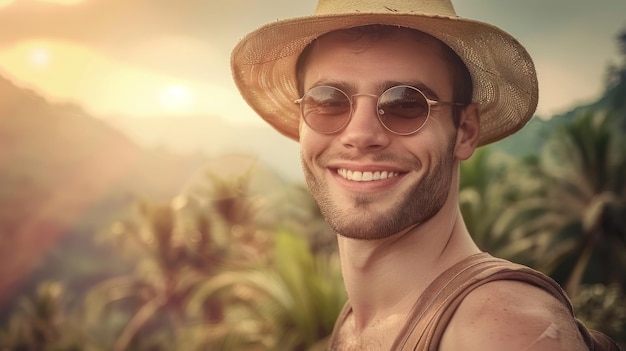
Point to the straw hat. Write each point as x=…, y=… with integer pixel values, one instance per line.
x=503, y=74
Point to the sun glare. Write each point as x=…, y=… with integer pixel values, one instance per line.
x=39, y=57
x=63, y=2
x=176, y=99
x=67, y=71
x=5, y=3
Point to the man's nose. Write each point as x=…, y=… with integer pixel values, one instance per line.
x=364, y=131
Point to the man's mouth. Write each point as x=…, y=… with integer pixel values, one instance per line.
x=360, y=176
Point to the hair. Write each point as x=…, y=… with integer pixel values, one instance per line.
x=462, y=86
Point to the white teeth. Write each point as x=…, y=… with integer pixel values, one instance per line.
x=359, y=176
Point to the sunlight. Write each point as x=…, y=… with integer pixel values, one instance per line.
x=176, y=99
x=39, y=57
x=4, y=3
x=52, y=65
x=63, y=2
x=70, y=72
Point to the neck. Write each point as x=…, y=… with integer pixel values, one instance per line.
x=385, y=277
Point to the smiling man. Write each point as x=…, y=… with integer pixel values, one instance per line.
x=386, y=99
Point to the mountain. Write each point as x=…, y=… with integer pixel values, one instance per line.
x=530, y=139
x=64, y=176
x=213, y=136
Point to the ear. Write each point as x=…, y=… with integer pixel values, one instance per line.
x=468, y=132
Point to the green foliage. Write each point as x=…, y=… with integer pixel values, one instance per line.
x=602, y=307
x=41, y=323
x=562, y=207
x=290, y=304
x=174, y=253
x=491, y=188
x=582, y=203
x=563, y=210
x=207, y=261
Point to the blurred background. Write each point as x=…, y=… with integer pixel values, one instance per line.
x=144, y=206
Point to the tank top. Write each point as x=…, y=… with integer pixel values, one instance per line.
x=433, y=311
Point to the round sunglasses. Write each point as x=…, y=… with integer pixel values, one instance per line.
x=401, y=109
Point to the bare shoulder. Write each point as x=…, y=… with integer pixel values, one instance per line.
x=511, y=315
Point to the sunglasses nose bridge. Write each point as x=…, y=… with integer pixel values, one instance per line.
x=376, y=111
x=353, y=101
x=364, y=94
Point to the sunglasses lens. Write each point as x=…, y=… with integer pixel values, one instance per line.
x=325, y=109
x=403, y=109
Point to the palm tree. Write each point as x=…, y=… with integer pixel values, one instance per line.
x=43, y=323
x=291, y=304
x=174, y=248
x=577, y=217
x=491, y=187
x=220, y=225
x=156, y=290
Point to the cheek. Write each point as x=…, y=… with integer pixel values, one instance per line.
x=428, y=140
x=308, y=144
x=313, y=146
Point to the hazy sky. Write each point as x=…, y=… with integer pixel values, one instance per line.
x=148, y=57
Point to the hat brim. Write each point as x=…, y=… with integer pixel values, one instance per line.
x=503, y=74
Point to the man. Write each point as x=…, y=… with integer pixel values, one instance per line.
x=386, y=98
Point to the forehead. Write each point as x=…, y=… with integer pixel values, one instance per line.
x=375, y=33
x=377, y=53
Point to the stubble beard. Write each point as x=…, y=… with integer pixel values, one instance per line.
x=364, y=220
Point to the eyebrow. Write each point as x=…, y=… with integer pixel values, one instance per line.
x=414, y=83
x=351, y=88
x=344, y=86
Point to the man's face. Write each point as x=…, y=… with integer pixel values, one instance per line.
x=413, y=173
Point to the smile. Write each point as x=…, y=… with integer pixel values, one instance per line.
x=359, y=176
